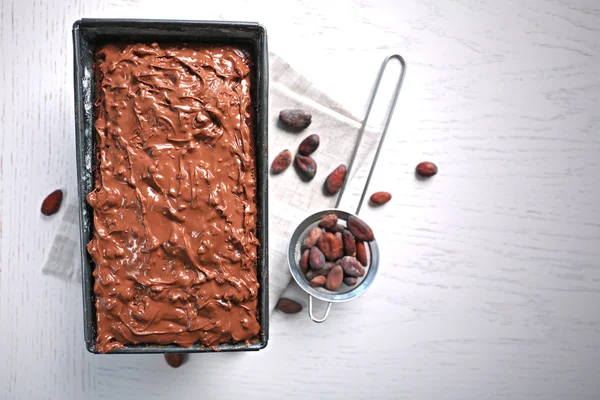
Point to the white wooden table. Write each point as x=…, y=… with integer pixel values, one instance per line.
x=490, y=281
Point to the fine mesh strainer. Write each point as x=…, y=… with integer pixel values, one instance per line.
x=345, y=293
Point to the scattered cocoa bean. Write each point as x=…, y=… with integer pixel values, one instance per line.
x=328, y=221
x=281, y=162
x=360, y=229
x=296, y=120
x=427, y=169
x=337, y=228
x=309, y=145
x=380, y=198
x=312, y=237
x=334, y=278
x=352, y=267
x=52, y=202
x=334, y=181
x=316, y=258
x=318, y=281
x=350, y=280
x=304, y=260
x=349, y=243
x=330, y=246
x=306, y=166
x=361, y=253
x=174, y=359
x=288, y=306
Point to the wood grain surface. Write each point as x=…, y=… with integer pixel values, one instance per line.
x=490, y=279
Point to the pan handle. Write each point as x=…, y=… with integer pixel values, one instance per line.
x=310, y=310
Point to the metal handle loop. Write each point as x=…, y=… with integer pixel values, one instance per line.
x=310, y=310
x=388, y=118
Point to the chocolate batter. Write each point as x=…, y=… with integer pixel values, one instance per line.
x=174, y=204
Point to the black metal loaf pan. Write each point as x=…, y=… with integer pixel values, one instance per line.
x=88, y=34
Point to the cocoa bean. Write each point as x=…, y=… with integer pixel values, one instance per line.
x=349, y=243
x=330, y=246
x=304, y=261
x=309, y=145
x=318, y=281
x=328, y=266
x=426, y=169
x=337, y=228
x=334, y=181
x=360, y=229
x=335, y=278
x=306, y=167
x=340, y=239
x=52, y=202
x=312, y=237
x=288, y=306
x=380, y=198
x=328, y=221
x=174, y=359
x=352, y=267
x=350, y=280
x=316, y=258
x=281, y=162
x=295, y=120
x=361, y=253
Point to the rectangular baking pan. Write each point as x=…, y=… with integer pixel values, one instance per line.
x=88, y=34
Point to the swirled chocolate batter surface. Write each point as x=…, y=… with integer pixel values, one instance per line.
x=174, y=242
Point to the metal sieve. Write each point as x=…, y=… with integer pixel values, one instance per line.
x=345, y=293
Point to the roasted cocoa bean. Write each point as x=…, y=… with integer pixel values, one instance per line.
x=312, y=237
x=360, y=229
x=318, y=281
x=361, y=253
x=328, y=221
x=349, y=243
x=328, y=266
x=304, y=261
x=309, y=145
x=337, y=228
x=340, y=239
x=335, y=278
x=427, y=169
x=306, y=167
x=330, y=246
x=334, y=181
x=174, y=359
x=295, y=120
x=52, y=202
x=350, y=280
x=380, y=198
x=316, y=258
x=281, y=162
x=352, y=267
x=288, y=306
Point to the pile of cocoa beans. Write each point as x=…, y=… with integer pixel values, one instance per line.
x=333, y=253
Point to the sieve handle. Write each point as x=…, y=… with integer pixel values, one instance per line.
x=388, y=118
x=310, y=310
